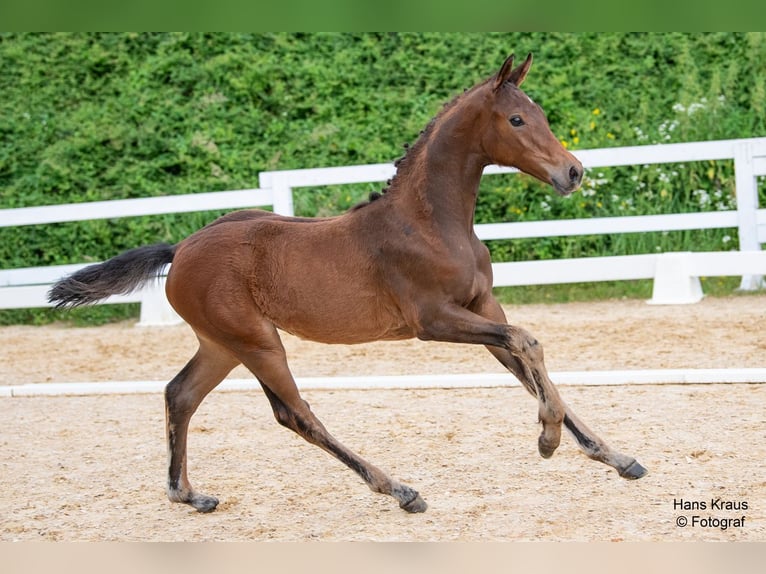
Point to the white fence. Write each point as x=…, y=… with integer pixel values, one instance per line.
x=675, y=274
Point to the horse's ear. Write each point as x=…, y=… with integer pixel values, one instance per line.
x=517, y=76
x=504, y=73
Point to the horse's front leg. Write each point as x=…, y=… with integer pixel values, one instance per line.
x=525, y=360
x=589, y=442
x=516, y=348
x=522, y=354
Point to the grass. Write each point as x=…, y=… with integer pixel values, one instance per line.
x=574, y=292
x=80, y=317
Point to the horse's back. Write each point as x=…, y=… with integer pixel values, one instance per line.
x=242, y=215
x=312, y=277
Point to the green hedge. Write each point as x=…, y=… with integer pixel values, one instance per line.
x=88, y=117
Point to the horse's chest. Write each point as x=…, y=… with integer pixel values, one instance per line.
x=463, y=274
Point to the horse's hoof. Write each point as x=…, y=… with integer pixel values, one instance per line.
x=417, y=504
x=633, y=471
x=204, y=503
x=545, y=450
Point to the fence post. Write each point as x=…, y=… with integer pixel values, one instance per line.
x=283, y=196
x=747, y=207
x=674, y=283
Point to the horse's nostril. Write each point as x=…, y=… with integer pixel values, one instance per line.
x=574, y=174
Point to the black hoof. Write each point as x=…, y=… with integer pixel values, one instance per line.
x=546, y=451
x=205, y=503
x=417, y=504
x=633, y=471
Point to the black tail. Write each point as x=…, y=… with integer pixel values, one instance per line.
x=119, y=275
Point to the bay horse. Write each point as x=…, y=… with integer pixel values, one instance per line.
x=405, y=264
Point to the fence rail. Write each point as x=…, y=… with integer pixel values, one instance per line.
x=675, y=275
x=134, y=207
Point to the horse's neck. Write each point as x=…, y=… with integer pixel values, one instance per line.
x=442, y=183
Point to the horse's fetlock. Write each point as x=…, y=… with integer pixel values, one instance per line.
x=550, y=414
x=177, y=494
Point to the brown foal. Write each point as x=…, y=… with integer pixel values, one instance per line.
x=405, y=264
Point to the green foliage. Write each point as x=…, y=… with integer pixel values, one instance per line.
x=79, y=317
x=87, y=117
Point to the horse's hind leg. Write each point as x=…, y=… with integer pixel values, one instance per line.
x=526, y=363
x=265, y=357
x=183, y=395
x=597, y=449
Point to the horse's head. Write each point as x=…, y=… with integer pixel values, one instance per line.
x=518, y=133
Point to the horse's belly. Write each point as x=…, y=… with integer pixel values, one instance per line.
x=347, y=324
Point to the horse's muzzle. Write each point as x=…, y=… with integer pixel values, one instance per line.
x=568, y=184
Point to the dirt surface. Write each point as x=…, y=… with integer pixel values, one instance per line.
x=92, y=468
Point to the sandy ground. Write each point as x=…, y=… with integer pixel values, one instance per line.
x=92, y=468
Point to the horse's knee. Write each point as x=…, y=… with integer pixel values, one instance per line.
x=525, y=344
x=533, y=348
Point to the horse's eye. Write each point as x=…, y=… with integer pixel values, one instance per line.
x=516, y=121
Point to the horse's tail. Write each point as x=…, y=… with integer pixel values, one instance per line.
x=119, y=275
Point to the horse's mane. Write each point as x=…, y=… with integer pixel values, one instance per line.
x=404, y=163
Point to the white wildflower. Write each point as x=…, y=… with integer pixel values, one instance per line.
x=702, y=196
x=695, y=107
